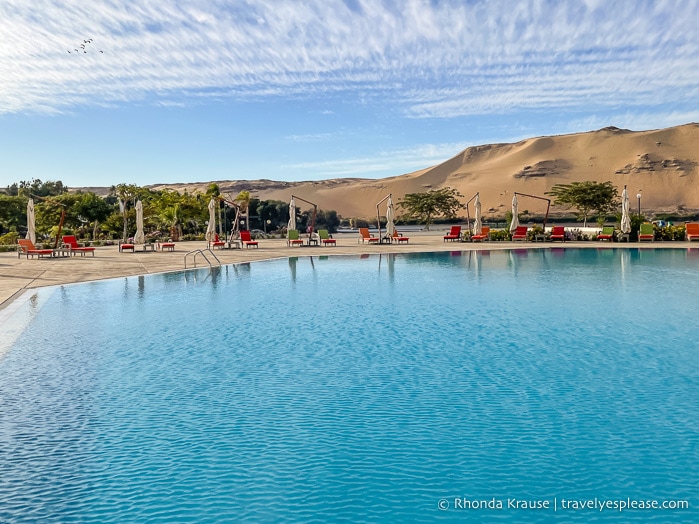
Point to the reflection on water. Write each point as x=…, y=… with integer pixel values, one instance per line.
x=366, y=392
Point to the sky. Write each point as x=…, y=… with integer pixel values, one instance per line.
x=96, y=93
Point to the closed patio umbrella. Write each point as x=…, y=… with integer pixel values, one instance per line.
x=139, y=237
x=292, y=215
x=477, y=222
x=211, y=227
x=515, y=220
x=625, y=217
x=390, y=226
x=31, y=221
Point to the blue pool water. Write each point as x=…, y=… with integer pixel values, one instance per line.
x=392, y=388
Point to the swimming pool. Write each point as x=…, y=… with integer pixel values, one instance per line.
x=386, y=388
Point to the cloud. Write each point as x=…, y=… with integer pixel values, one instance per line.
x=430, y=59
x=636, y=121
x=383, y=163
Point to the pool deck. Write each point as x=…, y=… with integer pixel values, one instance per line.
x=19, y=274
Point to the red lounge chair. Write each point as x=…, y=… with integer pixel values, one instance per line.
x=520, y=233
x=558, y=233
x=71, y=243
x=454, y=234
x=692, y=231
x=216, y=243
x=247, y=240
x=26, y=247
x=125, y=247
x=170, y=246
x=364, y=236
x=485, y=235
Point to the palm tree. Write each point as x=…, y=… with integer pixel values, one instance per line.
x=243, y=200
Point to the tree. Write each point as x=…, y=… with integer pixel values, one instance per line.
x=426, y=206
x=586, y=197
x=13, y=213
x=93, y=208
x=243, y=200
x=126, y=193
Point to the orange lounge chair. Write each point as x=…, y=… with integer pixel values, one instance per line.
x=558, y=233
x=485, y=235
x=692, y=231
x=26, y=247
x=71, y=243
x=520, y=233
x=454, y=234
x=364, y=236
x=247, y=240
x=397, y=237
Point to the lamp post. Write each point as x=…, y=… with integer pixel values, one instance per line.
x=639, y=202
x=267, y=223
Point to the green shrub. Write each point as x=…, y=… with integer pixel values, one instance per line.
x=9, y=239
x=533, y=231
x=500, y=234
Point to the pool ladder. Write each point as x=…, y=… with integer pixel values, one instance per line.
x=201, y=252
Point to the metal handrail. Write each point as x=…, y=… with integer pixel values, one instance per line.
x=201, y=252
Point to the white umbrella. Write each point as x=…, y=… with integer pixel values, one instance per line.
x=625, y=218
x=390, y=226
x=477, y=224
x=292, y=215
x=139, y=237
x=515, y=220
x=31, y=222
x=211, y=227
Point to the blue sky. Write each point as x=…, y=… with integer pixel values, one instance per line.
x=197, y=90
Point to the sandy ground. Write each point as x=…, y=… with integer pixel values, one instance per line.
x=20, y=274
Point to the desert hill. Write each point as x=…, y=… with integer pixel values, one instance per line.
x=662, y=164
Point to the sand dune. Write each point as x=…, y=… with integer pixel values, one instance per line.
x=663, y=164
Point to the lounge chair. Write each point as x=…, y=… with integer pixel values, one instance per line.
x=293, y=239
x=325, y=239
x=520, y=233
x=247, y=240
x=646, y=232
x=485, y=235
x=364, y=236
x=606, y=234
x=558, y=233
x=71, y=243
x=216, y=243
x=126, y=246
x=454, y=234
x=170, y=246
x=26, y=247
x=692, y=231
x=397, y=237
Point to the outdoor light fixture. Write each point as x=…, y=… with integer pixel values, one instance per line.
x=639, y=202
